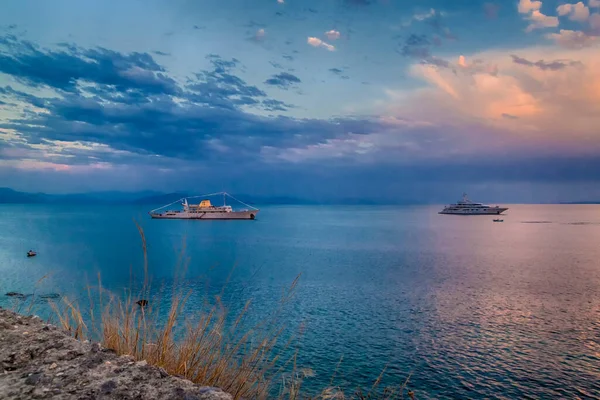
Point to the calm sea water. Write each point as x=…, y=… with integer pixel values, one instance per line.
x=473, y=309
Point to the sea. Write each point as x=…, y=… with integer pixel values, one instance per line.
x=465, y=307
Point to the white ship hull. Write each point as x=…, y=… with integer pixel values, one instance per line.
x=485, y=211
x=468, y=207
x=247, y=214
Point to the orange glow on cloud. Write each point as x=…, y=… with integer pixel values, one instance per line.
x=554, y=92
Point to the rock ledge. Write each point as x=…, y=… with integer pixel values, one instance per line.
x=40, y=361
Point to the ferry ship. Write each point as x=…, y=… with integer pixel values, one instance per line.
x=467, y=207
x=205, y=210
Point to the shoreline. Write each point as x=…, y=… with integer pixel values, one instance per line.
x=41, y=361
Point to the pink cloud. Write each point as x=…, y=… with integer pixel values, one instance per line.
x=572, y=39
x=332, y=34
x=545, y=103
x=316, y=42
x=540, y=21
x=576, y=12
x=527, y=6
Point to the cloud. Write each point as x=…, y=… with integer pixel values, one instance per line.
x=528, y=6
x=283, y=80
x=63, y=68
x=416, y=46
x=594, y=3
x=276, y=105
x=280, y=1
x=259, y=35
x=332, y=34
x=480, y=109
x=424, y=16
x=540, y=21
x=132, y=123
x=554, y=103
x=535, y=17
x=316, y=42
x=595, y=24
x=576, y=12
x=339, y=72
x=475, y=67
x=572, y=39
x=543, y=65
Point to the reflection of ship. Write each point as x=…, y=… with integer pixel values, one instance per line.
x=205, y=210
x=467, y=207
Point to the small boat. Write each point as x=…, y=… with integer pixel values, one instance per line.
x=498, y=220
x=31, y=253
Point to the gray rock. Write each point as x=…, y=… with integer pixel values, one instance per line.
x=46, y=363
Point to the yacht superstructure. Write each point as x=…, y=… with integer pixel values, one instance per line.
x=467, y=207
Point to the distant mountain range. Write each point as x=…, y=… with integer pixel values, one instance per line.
x=10, y=196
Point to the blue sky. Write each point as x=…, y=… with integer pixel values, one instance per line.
x=333, y=98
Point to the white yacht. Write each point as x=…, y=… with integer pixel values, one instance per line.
x=467, y=207
x=205, y=210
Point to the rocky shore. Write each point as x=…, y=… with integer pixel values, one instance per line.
x=40, y=361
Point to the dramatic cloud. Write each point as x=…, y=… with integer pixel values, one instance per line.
x=121, y=113
x=332, y=34
x=168, y=115
x=62, y=69
x=316, y=42
x=283, y=80
x=557, y=102
x=576, y=12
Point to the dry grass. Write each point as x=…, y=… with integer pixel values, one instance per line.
x=214, y=349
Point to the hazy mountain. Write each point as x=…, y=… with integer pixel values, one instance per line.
x=12, y=196
x=146, y=197
x=157, y=198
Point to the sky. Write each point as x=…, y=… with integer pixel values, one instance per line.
x=374, y=99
